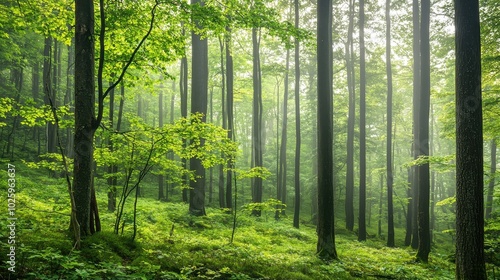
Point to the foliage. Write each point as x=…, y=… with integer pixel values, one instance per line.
x=197, y=247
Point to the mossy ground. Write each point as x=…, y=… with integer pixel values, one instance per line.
x=171, y=244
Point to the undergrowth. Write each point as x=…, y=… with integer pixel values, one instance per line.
x=171, y=244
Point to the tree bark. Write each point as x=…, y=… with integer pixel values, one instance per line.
x=349, y=200
x=390, y=207
x=424, y=244
x=257, y=118
x=199, y=88
x=362, y=125
x=469, y=143
x=325, y=229
x=84, y=112
x=297, y=122
x=230, y=117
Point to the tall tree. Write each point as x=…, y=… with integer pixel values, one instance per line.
x=282, y=172
x=230, y=117
x=390, y=178
x=257, y=117
x=469, y=143
x=349, y=193
x=416, y=104
x=297, y=121
x=84, y=112
x=183, y=88
x=199, y=88
x=161, y=179
x=362, y=124
x=424, y=242
x=325, y=229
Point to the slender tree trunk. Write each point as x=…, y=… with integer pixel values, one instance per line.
x=222, y=198
x=161, y=178
x=48, y=94
x=282, y=176
x=390, y=207
x=362, y=125
x=68, y=100
x=326, y=235
x=416, y=110
x=257, y=117
x=491, y=186
x=112, y=182
x=349, y=200
x=409, y=214
x=297, y=122
x=230, y=117
x=183, y=86
x=469, y=143
x=424, y=245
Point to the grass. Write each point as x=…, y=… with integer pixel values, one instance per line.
x=171, y=244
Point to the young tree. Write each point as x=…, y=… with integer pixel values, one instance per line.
x=390, y=210
x=257, y=117
x=362, y=124
x=297, y=121
x=469, y=143
x=349, y=193
x=325, y=229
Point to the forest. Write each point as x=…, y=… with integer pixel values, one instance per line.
x=249, y=139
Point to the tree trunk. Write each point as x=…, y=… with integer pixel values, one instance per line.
x=161, y=178
x=390, y=207
x=183, y=87
x=297, y=122
x=230, y=117
x=349, y=193
x=326, y=235
x=362, y=125
x=416, y=92
x=84, y=112
x=424, y=245
x=112, y=168
x=491, y=186
x=222, y=198
x=48, y=94
x=284, y=127
x=469, y=143
x=199, y=88
x=257, y=118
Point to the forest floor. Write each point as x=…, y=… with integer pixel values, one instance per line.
x=171, y=244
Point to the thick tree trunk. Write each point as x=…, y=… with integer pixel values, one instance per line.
x=326, y=235
x=199, y=87
x=469, y=143
x=84, y=112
